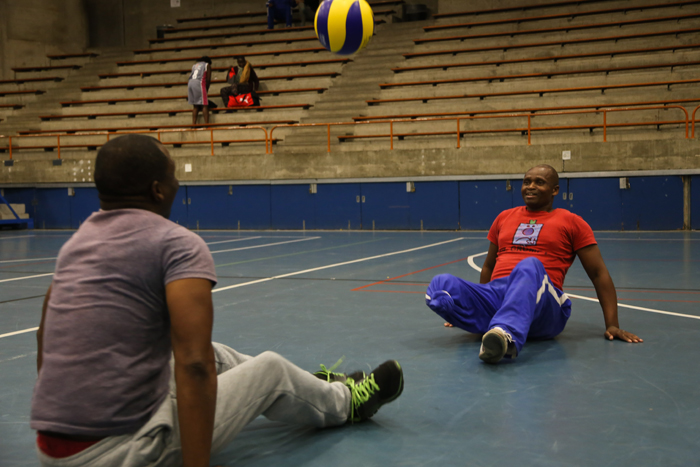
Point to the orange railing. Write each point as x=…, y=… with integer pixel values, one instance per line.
x=269, y=139
x=458, y=132
x=694, y=112
x=211, y=141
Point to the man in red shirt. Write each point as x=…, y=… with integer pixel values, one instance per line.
x=520, y=291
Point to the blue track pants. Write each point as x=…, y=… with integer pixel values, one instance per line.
x=279, y=14
x=524, y=304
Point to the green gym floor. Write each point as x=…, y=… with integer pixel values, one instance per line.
x=314, y=297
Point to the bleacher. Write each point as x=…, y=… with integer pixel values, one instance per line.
x=146, y=93
x=568, y=60
x=493, y=68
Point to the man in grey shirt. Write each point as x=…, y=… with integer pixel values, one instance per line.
x=131, y=289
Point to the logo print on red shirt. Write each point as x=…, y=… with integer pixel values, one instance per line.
x=527, y=234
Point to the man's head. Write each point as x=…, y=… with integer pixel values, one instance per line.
x=540, y=186
x=136, y=171
x=241, y=61
x=205, y=59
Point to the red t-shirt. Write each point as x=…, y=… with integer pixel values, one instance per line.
x=552, y=237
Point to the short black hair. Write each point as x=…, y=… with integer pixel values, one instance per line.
x=552, y=171
x=205, y=59
x=128, y=166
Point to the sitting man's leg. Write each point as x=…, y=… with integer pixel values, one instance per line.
x=247, y=387
x=531, y=307
x=270, y=385
x=464, y=304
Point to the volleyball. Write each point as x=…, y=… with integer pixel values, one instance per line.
x=344, y=26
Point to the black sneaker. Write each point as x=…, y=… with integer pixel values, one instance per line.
x=327, y=374
x=382, y=386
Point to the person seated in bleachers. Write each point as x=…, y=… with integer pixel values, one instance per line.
x=198, y=88
x=280, y=10
x=243, y=85
x=307, y=11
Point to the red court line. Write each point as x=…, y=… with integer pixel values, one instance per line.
x=404, y=275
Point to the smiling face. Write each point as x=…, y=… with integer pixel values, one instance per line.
x=540, y=186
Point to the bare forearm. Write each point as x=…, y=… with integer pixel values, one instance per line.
x=196, y=405
x=605, y=290
x=592, y=262
x=40, y=332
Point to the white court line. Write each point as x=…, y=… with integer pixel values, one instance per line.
x=265, y=245
x=221, y=289
x=21, y=236
x=231, y=241
x=471, y=262
x=55, y=257
x=26, y=277
x=213, y=252
x=621, y=305
x=212, y=243
x=17, y=332
x=291, y=274
x=25, y=260
x=650, y=310
x=17, y=357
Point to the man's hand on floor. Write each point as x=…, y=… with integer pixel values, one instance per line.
x=614, y=332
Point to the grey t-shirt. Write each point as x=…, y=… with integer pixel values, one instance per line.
x=106, y=338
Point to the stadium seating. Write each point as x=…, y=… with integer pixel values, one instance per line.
x=559, y=63
x=576, y=65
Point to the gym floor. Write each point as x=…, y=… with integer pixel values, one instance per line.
x=314, y=297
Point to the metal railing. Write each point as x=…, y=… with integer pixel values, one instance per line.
x=529, y=129
x=159, y=134
x=689, y=121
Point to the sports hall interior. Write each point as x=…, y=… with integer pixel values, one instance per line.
x=329, y=207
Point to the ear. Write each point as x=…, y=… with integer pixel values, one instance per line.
x=157, y=192
x=555, y=190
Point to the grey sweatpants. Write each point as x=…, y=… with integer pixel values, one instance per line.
x=247, y=387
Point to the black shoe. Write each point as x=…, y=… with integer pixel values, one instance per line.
x=495, y=345
x=382, y=386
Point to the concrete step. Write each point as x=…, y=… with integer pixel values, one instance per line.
x=557, y=36
x=564, y=21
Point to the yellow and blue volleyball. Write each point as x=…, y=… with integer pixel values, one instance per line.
x=344, y=26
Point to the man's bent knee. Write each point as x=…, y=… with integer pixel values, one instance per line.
x=531, y=263
x=270, y=358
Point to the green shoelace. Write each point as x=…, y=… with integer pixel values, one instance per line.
x=362, y=392
x=328, y=372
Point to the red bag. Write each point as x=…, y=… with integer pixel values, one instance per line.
x=241, y=100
